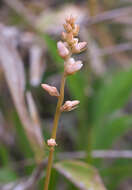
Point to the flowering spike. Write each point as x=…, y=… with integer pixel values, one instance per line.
x=65, y=49
x=50, y=89
x=70, y=105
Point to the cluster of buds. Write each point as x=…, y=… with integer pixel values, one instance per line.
x=70, y=45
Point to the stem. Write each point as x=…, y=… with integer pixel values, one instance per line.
x=54, y=131
x=59, y=103
x=49, y=166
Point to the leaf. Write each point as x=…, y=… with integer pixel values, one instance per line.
x=82, y=175
x=111, y=131
x=113, y=95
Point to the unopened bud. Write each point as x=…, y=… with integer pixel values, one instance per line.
x=64, y=36
x=72, y=66
x=71, y=20
x=75, y=41
x=51, y=142
x=77, y=48
x=63, y=51
x=70, y=38
x=67, y=27
x=76, y=30
x=70, y=105
x=50, y=89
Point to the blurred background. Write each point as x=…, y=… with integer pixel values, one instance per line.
x=99, y=132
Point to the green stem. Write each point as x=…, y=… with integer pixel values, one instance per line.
x=54, y=131
x=49, y=167
x=59, y=104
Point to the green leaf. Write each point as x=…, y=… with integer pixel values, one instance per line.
x=4, y=155
x=113, y=94
x=106, y=135
x=82, y=175
x=7, y=175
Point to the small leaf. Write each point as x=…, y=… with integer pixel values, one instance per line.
x=82, y=175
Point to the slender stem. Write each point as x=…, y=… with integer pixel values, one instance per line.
x=54, y=131
x=58, y=112
x=49, y=166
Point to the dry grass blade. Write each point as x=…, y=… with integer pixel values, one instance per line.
x=15, y=77
x=34, y=116
x=37, y=66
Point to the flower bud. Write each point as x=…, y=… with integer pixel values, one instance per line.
x=63, y=51
x=50, y=89
x=77, y=48
x=76, y=30
x=75, y=41
x=67, y=27
x=64, y=36
x=71, y=20
x=69, y=105
x=70, y=38
x=51, y=142
x=72, y=66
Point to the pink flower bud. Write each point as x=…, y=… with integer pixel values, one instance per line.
x=77, y=48
x=70, y=38
x=70, y=105
x=67, y=27
x=50, y=89
x=51, y=142
x=70, y=20
x=75, y=41
x=76, y=30
x=64, y=36
x=63, y=51
x=72, y=66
